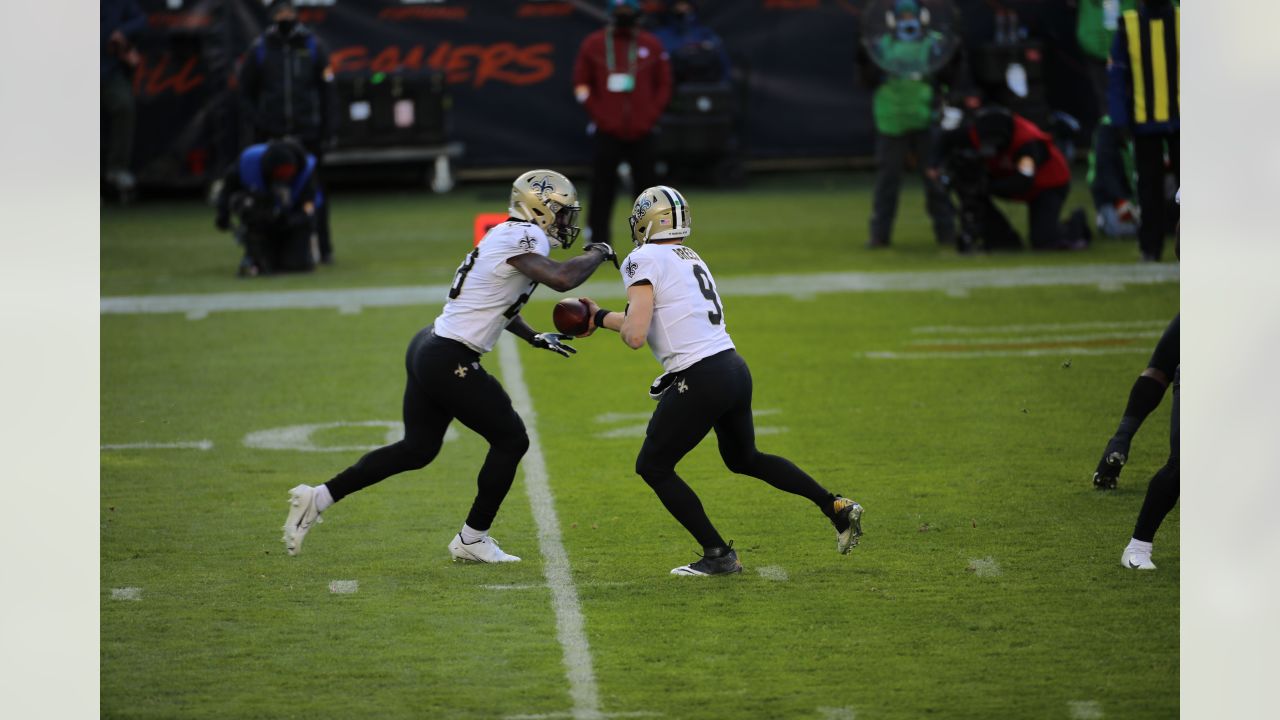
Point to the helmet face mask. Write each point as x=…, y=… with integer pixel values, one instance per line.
x=659, y=213
x=547, y=199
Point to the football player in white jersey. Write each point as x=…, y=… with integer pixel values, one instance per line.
x=672, y=304
x=445, y=378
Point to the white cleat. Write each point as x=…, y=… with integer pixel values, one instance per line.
x=302, y=515
x=1136, y=560
x=481, y=551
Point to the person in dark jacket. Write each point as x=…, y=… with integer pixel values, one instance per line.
x=623, y=76
x=1144, y=100
x=121, y=21
x=285, y=89
x=271, y=189
x=696, y=52
x=1001, y=154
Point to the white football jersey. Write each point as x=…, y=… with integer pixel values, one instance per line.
x=487, y=292
x=688, y=317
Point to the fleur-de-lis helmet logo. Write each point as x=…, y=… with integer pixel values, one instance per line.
x=542, y=186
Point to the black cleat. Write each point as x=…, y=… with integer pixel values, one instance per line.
x=1108, y=472
x=722, y=561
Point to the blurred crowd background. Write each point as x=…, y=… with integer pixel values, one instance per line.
x=438, y=91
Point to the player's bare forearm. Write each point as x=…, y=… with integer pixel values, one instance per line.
x=521, y=329
x=561, y=277
x=632, y=324
x=601, y=318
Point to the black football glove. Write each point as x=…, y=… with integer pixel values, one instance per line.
x=604, y=248
x=222, y=221
x=553, y=342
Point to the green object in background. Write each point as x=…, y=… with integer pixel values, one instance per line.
x=904, y=102
x=1096, y=24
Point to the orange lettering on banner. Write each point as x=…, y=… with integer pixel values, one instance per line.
x=457, y=68
x=188, y=20
x=550, y=9
x=492, y=62
x=153, y=79
x=474, y=64
x=440, y=56
x=537, y=58
x=497, y=64
x=401, y=14
x=413, y=60
x=348, y=59
x=386, y=61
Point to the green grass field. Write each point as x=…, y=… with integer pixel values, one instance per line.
x=966, y=422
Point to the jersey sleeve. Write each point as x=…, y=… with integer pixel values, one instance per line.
x=639, y=266
x=515, y=239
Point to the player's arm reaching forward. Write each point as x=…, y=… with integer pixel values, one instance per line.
x=563, y=276
x=632, y=325
x=559, y=277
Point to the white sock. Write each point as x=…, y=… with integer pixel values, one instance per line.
x=323, y=498
x=472, y=535
x=1143, y=548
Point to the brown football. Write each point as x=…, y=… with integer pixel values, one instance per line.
x=571, y=317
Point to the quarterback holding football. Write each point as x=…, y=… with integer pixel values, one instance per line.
x=673, y=306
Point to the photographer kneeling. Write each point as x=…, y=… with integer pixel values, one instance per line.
x=271, y=190
x=1001, y=154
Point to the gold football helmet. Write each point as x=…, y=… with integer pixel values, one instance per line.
x=548, y=199
x=660, y=213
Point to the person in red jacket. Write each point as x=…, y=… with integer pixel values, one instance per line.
x=1001, y=154
x=623, y=77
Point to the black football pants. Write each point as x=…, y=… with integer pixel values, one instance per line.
x=1148, y=156
x=1165, y=485
x=891, y=159
x=714, y=393
x=607, y=153
x=446, y=381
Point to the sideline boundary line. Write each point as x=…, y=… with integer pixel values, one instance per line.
x=564, y=596
x=800, y=286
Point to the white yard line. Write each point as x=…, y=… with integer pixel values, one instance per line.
x=568, y=715
x=570, y=628
x=804, y=286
